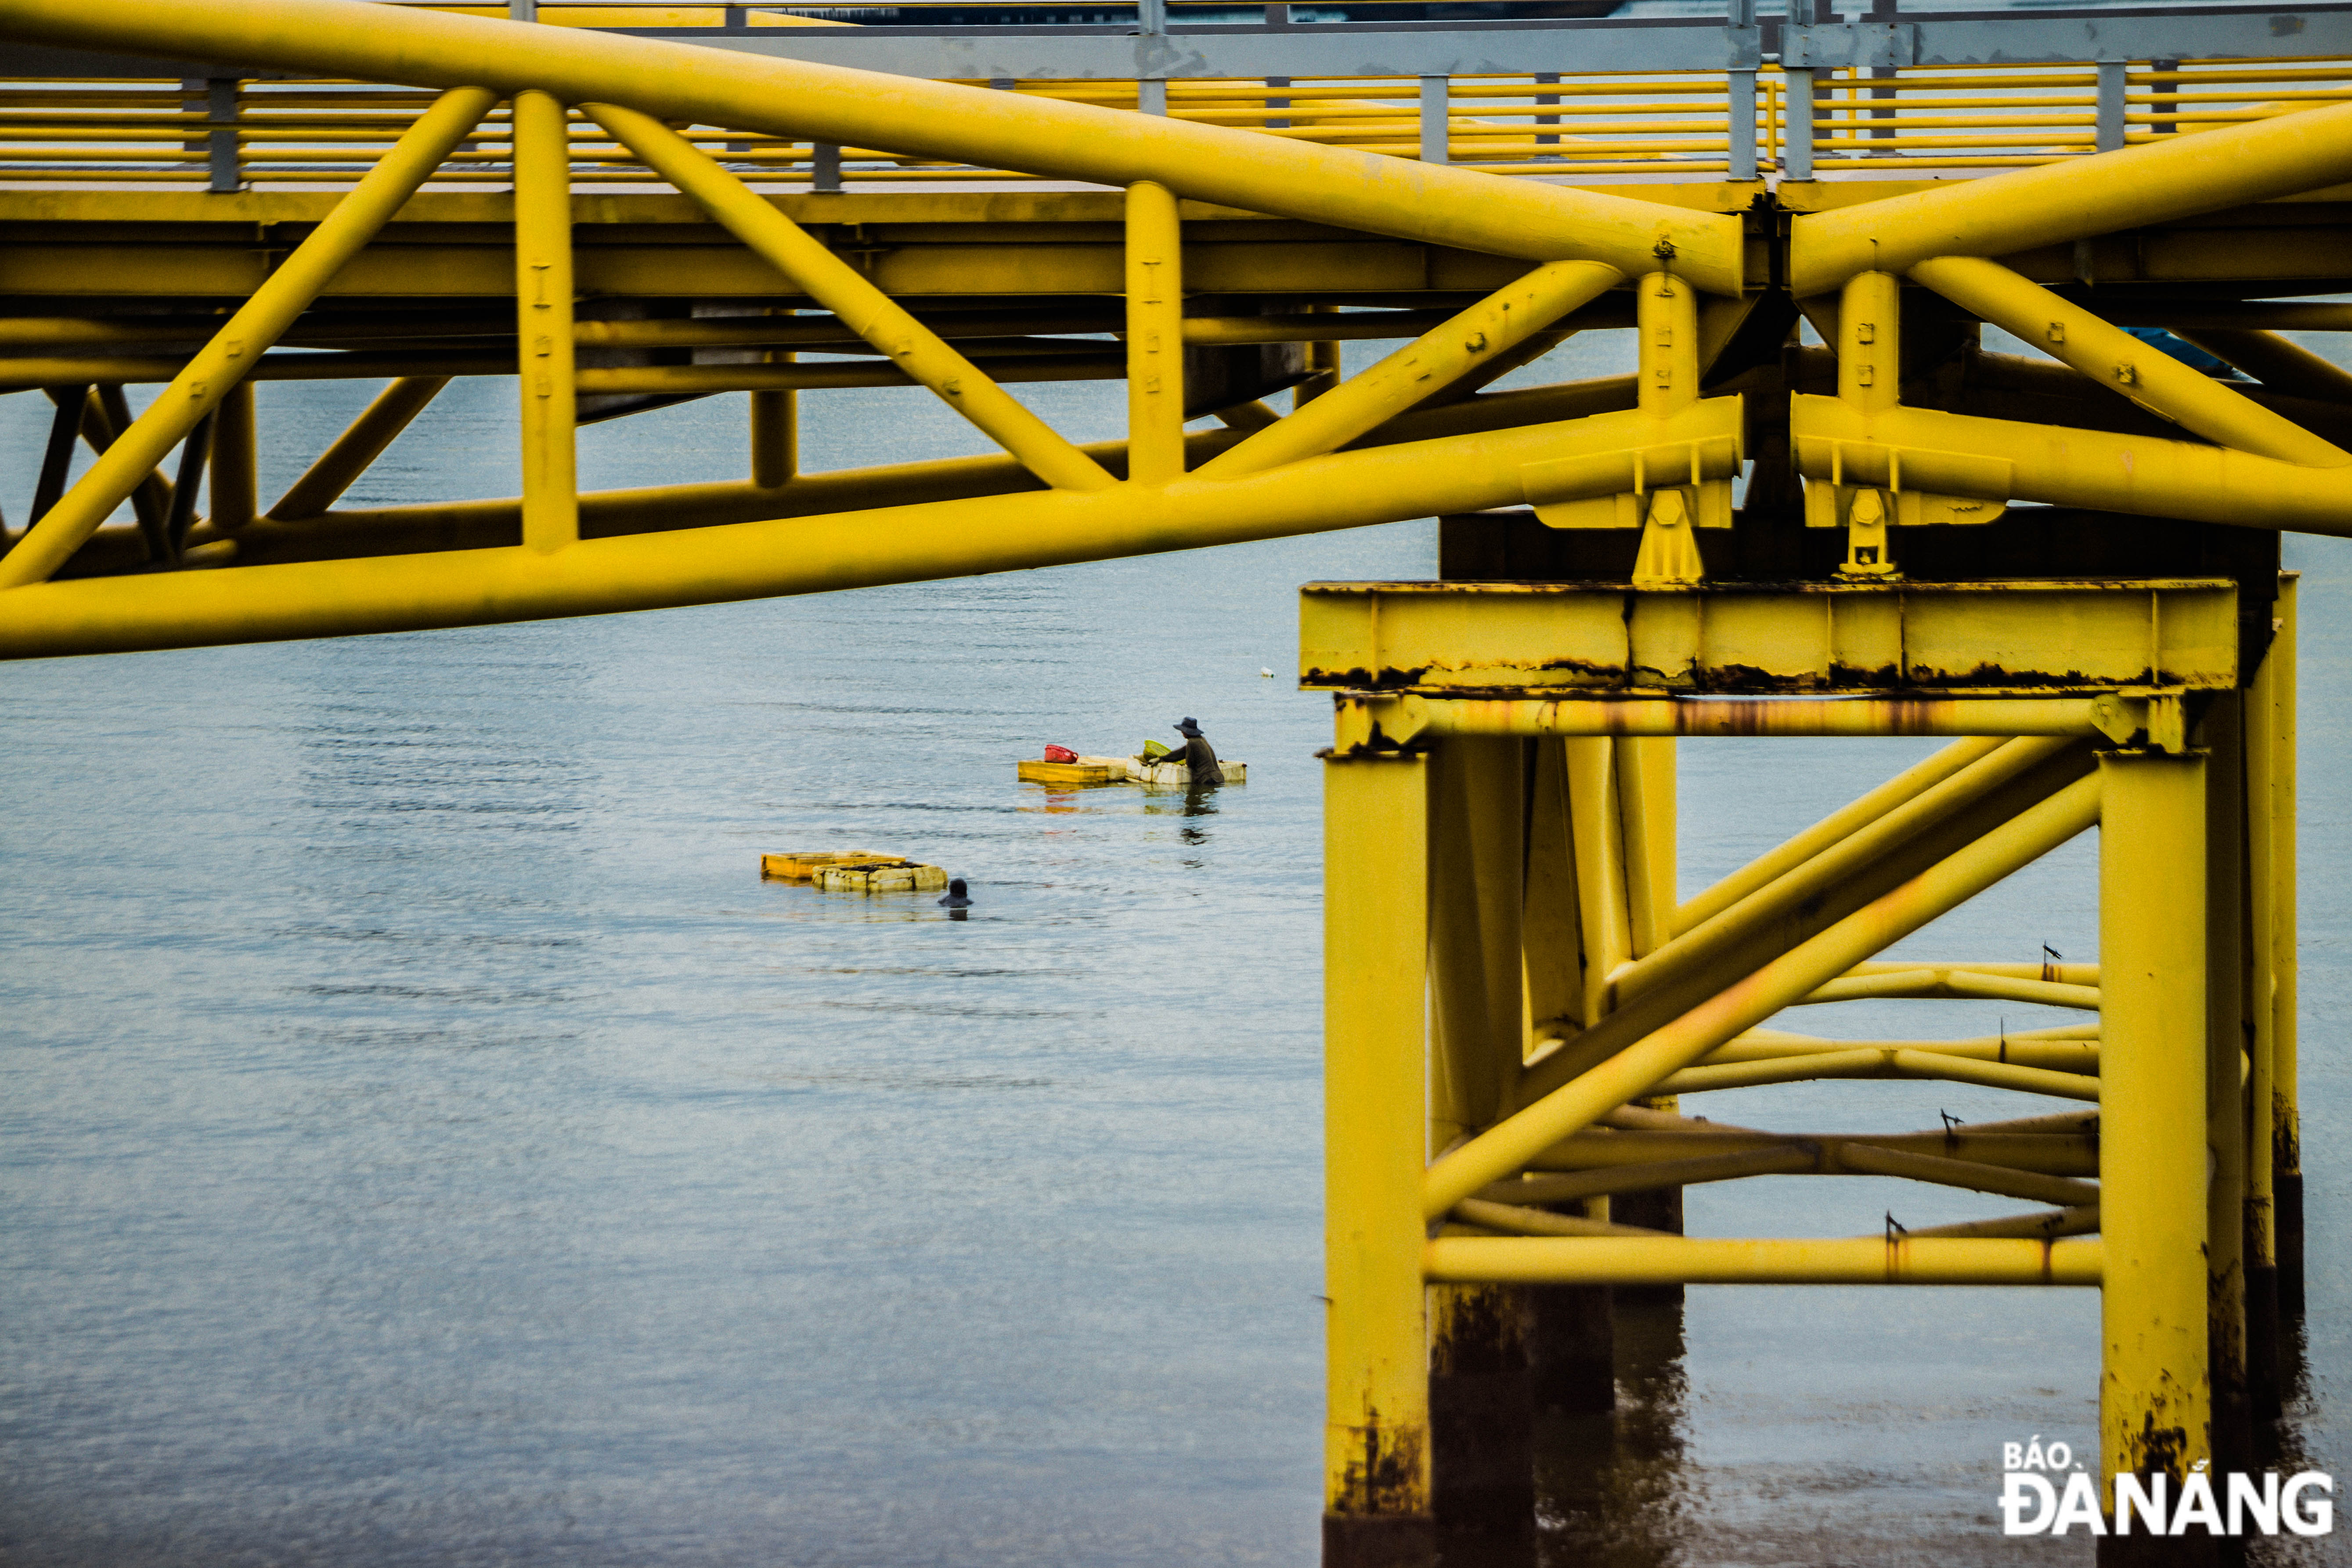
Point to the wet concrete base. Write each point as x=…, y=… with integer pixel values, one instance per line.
x=1380, y=1541
x=1603, y=1450
x=2264, y=1384
x=1479, y=1410
x=2288, y=1201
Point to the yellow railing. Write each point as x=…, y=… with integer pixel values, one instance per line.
x=1972, y=118
x=1657, y=125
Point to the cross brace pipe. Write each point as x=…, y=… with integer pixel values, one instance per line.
x=1507, y=1147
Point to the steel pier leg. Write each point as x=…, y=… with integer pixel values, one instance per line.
x=2286, y=1121
x=2226, y=1041
x=2262, y=1364
x=1482, y=1461
x=551, y=500
x=233, y=496
x=2155, y=1394
x=1376, y=945
x=1155, y=336
x=775, y=434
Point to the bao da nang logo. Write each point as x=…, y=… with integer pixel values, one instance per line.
x=2044, y=1492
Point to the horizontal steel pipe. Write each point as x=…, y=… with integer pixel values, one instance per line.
x=2065, y=466
x=824, y=331
x=2056, y=1056
x=766, y=559
x=143, y=369
x=704, y=378
x=1785, y=1159
x=1936, y=1064
x=1949, y=984
x=1429, y=202
x=1684, y=1260
x=1516, y=1219
x=2053, y=1153
x=1808, y=1067
x=353, y=533
x=1894, y=1064
x=1864, y=1160
x=2063, y=972
x=2046, y=1227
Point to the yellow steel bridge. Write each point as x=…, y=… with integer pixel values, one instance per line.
x=2065, y=558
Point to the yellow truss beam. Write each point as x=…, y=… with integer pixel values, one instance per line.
x=913, y=347
x=222, y=363
x=1241, y=169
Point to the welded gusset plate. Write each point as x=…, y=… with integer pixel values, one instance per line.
x=1982, y=638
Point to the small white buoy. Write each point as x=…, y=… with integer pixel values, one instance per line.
x=1267, y=673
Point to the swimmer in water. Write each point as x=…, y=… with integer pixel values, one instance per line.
x=957, y=899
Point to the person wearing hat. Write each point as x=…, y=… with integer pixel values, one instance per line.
x=1199, y=756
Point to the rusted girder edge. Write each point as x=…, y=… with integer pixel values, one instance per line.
x=1380, y=722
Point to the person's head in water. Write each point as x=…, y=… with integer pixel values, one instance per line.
x=1189, y=730
x=957, y=899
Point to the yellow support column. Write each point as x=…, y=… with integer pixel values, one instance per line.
x=1376, y=943
x=1548, y=925
x=550, y=499
x=1155, y=336
x=1482, y=1462
x=2286, y=1123
x=1666, y=318
x=1646, y=801
x=1595, y=823
x=1477, y=838
x=1323, y=360
x=1646, y=798
x=2260, y=730
x=2155, y=1396
x=233, y=495
x=2226, y=1041
x=775, y=432
x=1567, y=1330
x=1870, y=380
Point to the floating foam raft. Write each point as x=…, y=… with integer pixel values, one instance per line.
x=903, y=877
x=852, y=872
x=1083, y=774
x=1089, y=772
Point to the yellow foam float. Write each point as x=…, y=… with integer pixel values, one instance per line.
x=852, y=872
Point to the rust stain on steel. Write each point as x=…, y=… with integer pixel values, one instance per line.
x=2155, y=1450
x=1479, y=1330
x=1433, y=676
x=2032, y=679
x=1386, y=1477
